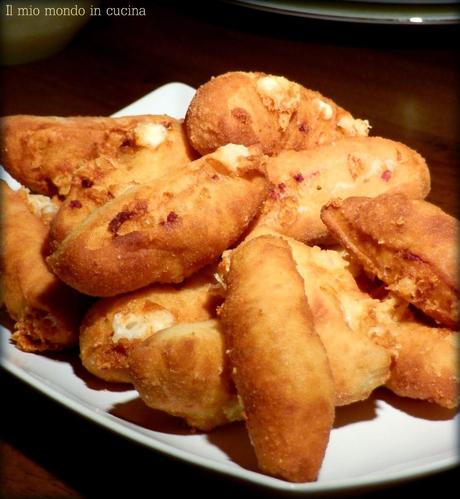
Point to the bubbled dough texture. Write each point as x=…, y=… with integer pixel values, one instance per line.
x=237, y=107
x=280, y=367
x=164, y=231
x=303, y=181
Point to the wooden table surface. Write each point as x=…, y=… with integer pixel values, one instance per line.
x=404, y=79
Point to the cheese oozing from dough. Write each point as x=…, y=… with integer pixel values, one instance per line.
x=230, y=155
x=42, y=206
x=139, y=326
x=325, y=109
x=150, y=135
x=354, y=126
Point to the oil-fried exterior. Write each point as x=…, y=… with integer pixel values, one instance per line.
x=112, y=326
x=280, y=366
x=184, y=371
x=43, y=152
x=358, y=365
x=45, y=311
x=303, y=181
x=156, y=146
x=371, y=341
x=411, y=245
x=255, y=108
x=426, y=364
x=166, y=230
x=424, y=359
x=412, y=359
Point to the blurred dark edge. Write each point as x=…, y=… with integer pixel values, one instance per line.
x=97, y=463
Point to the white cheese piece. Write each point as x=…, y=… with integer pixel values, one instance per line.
x=139, y=326
x=325, y=110
x=150, y=135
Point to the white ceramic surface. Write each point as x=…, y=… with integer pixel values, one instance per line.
x=377, y=442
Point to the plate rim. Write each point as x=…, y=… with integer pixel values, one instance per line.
x=408, y=15
x=110, y=422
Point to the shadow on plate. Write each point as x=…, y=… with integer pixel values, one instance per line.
x=93, y=382
x=416, y=408
x=234, y=441
x=5, y=320
x=366, y=410
x=135, y=411
x=354, y=413
x=70, y=357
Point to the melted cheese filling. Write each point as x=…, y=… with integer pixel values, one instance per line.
x=150, y=135
x=139, y=326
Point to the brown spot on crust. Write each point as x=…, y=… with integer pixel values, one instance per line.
x=386, y=175
x=303, y=127
x=298, y=177
x=75, y=203
x=273, y=193
x=120, y=218
x=407, y=255
x=86, y=183
x=170, y=219
x=356, y=166
x=167, y=124
x=277, y=191
x=241, y=115
x=127, y=142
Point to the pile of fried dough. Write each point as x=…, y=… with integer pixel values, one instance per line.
x=262, y=260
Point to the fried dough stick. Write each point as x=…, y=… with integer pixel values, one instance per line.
x=168, y=368
x=304, y=181
x=426, y=363
x=411, y=245
x=424, y=359
x=184, y=371
x=156, y=147
x=255, y=108
x=166, y=230
x=280, y=366
x=358, y=365
x=113, y=326
x=46, y=312
x=43, y=152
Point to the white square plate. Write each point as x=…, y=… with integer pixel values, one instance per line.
x=381, y=440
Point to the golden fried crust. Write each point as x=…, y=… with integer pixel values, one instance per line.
x=42, y=152
x=426, y=365
x=358, y=365
x=45, y=310
x=303, y=181
x=156, y=146
x=112, y=326
x=166, y=230
x=184, y=371
x=280, y=367
x=411, y=245
x=255, y=108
